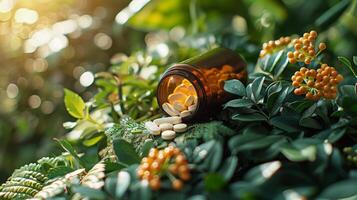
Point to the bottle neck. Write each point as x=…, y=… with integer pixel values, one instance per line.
x=193, y=75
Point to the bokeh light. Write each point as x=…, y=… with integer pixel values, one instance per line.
x=86, y=79
x=25, y=15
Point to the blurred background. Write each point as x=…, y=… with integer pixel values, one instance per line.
x=48, y=45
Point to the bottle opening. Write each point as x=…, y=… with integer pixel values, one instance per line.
x=178, y=96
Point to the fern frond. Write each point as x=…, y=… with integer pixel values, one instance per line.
x=28, y=180
x=58, y=186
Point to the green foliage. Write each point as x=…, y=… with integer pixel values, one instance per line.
x=74, y=104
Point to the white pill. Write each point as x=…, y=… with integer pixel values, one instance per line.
x=186, y=82
x=185, y=113
x=165, y=126
x=152, y=128
x=192, y=108
x=170, y=110
x=180, y=128
x=168, y=135
x=176, y=97
x=171, y=120
x=191, y=90
x=189, y=100
x=179, y=106
x=181, y=88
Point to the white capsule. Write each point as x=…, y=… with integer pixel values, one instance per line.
x=185, y=113
x=179, y=128
x=168, y=135
x=152, y=128
x=191, y=90
x=165, y=126
x=176, y=97
x=170, y=110
x=179, y=106
x=192, y=108
x=171, y=120
x=189, y=100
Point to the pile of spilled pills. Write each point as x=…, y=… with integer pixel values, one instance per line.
x=166, y=126
x=182, y=101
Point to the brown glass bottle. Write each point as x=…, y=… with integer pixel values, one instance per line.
x=205, y=74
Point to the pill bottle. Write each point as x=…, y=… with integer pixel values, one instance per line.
x=193, y=89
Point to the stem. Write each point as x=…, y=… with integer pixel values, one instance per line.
x=193, y=15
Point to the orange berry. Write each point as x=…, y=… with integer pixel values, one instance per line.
x=295, y=84
x=183, y=169
x=310, y=83
x=306, y=42
x=322, y=46
x=297, y=46
x=155, y=184
x=287, y=40
x=140, y=173
x=311, y=52
x=339, y=78
x=155, y=166
x=311, y=39
x=299, y=79
x=297, y=91
x=306, y=35
x=173, y=168
x=180, y=159
x=185, y=176
x=292, y=60
x=307, y=61
x=145, y=166
x=153, y=153
x=303, y=69
x=301, y=56
x=290, y=54
x=147, y=175
x=177, y=184
x=313, y=72
x=313, y=33
x=309, y=95
x=296, y=54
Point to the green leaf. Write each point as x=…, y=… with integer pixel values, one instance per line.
x=257, y=86
x=252, y=142
x=275, y=101
x=294, y=154
x=286, y=123
x=123, y=182
x=280, y=65
x=277, y=57
x=345, y=189
x=228, y=168
x=74, y=104
x=332, y=15
x=92, y=141
x=239, y=103
x=355, y=60
x=348, y=63
x=125, y=152
x=235, y=87
x=254, y=117
x=69, y=148
x=214, y=182
x=89, y=192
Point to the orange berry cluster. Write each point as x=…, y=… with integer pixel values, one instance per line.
x=305, y=49
x=273, y=45
x=317, y=83
x=169, y=161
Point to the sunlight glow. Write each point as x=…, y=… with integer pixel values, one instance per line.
x=58, y=43
x=26, y=16
x=12, y=91
x=86, y=79
x=134, y=6
x=65, y=27
x=268, y=169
